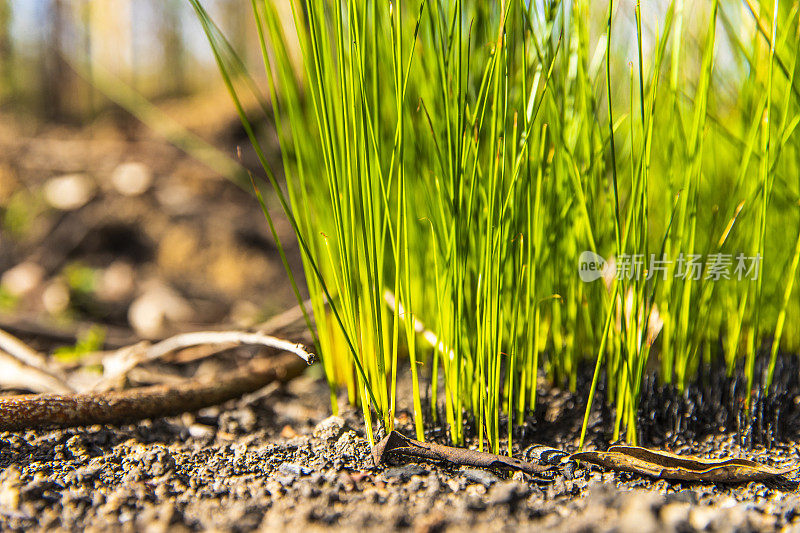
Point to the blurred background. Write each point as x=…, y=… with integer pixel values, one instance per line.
x=124, y=188
x=49, y=49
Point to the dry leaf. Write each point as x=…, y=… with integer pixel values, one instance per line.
x=399, y=445
x=665, y=465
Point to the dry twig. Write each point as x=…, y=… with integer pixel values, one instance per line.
x=22, y=366
x=117, y=364
x=31, y=411
x=18, y=375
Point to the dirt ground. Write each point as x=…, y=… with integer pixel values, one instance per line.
x=111, y=224
x=276, y=461
x=189, y=250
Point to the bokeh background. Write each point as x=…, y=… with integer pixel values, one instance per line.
x=50, y=48
x=124, y=168
x=124, y=188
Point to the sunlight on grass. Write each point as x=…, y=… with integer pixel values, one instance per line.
x=467, y=156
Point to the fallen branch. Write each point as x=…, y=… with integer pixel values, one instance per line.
x=15, y=347
x=185, y=340
x=399, y=445
x=32, y=411
x=119, y=363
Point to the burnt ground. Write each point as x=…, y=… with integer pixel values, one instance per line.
x=191, y=249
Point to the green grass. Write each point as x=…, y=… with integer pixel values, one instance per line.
x=462, y=155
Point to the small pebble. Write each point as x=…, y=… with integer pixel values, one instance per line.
x=701, y=518
x=346, y=444
x=286, y=480
x=288, y=432
x=475, y=502
x=55, y=297
x=69, y=192
x=156, y=306
x=201, y=431
x=474, y=475
x=330, y=429
x=682, y=496
x=507, y=493
x=405, y=472
x=434, y=486
x=22, y=278
x=116, y=282
x=10, y=485
x=347, y=482
x=131, y=179
x=294, y=469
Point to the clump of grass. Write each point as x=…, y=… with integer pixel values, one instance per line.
x=462, y=156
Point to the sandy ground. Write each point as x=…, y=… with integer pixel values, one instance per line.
x=276, y=460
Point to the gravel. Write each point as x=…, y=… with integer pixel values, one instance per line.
x=239, y=468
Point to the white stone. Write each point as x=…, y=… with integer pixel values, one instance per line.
x=116, y=282
x=22, y=279
x=55, y=297
x=69, y=192
x=154, y=308
x=131, y=179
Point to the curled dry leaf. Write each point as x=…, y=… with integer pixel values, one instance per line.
x=665, y=465
x=399, y=445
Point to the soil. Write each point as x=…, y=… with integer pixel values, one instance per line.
x=277, y=459
x=188, y=245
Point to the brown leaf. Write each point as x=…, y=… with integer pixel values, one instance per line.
x=665, y=465
x=400, y=445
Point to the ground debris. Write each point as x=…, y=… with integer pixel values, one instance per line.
x=396, y=444
x=665, y=465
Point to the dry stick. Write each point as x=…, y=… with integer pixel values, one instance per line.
x=397, y=444
x=20, y=362
x=16, y=374
x=185, y=340
x=273, y=324
x=24, y=353
x=284, y=319
x=27, y=411
x=125, y=359
x=31, y=411
x=419, y=326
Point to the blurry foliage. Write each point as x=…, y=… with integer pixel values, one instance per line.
x=89, y=341
x=20, y=212
x=8, y=301
x=81, y=279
